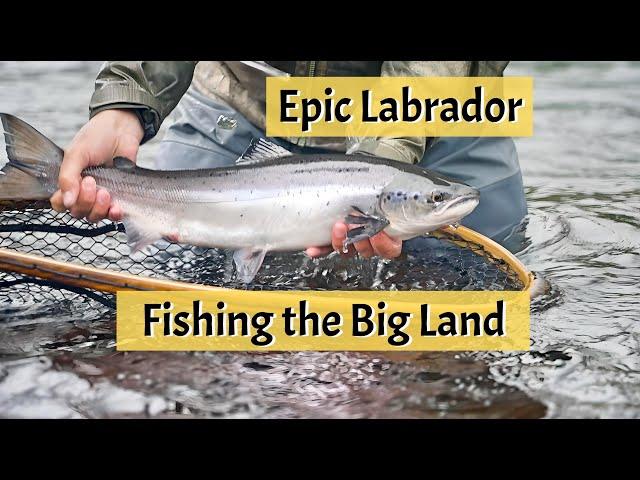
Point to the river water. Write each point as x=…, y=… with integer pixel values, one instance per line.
x=582, y=175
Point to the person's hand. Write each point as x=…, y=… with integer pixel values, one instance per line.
x=380, y=244
x=109, y=134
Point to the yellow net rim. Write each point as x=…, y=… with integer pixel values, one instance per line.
x=496, y=250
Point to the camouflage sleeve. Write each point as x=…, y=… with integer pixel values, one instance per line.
x=152, y=89
x=409, y=149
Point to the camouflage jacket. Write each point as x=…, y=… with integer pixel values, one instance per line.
x=154, y=88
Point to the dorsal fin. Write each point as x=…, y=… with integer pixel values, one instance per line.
x=123, y=163
x=261, y=149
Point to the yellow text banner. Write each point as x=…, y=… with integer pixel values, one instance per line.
x=399, y=106
x=229, y=320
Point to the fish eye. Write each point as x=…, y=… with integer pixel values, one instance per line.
x=437, y=196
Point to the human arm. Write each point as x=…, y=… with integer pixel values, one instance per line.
x=130, y=102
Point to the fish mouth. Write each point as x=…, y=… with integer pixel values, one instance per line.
x=460, y=206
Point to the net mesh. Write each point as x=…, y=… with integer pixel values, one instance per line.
x=427, y=263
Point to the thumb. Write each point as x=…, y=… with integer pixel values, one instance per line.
x=69, y=178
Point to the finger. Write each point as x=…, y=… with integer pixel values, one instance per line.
x=69, y=178
x=100, y=209
x=86, y=198
x=314, y=252
x=56, y=202
x=115, y=212
x=385, y=246
x=338, y=235
x=364, y=248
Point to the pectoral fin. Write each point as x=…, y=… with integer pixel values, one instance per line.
x=248, y=261
x=369, y=226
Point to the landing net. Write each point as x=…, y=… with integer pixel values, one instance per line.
x=49, y=258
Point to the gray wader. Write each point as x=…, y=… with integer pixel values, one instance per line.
x=203, y=133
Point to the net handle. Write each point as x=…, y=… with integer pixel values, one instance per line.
x=86, y=277
x=110, y=281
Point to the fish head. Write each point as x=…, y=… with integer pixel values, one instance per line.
x=419, y=203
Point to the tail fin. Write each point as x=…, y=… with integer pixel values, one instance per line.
x=33, y=161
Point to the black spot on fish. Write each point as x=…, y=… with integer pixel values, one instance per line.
x=405, y=197
x=327, y=204
x=399, y=194
x=241, y=215
x=416, y=196
x=389, y=197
